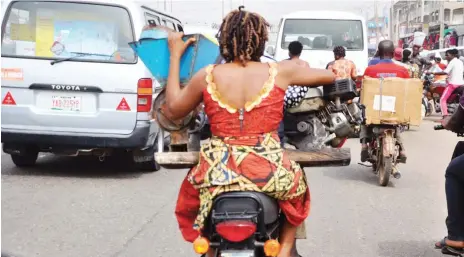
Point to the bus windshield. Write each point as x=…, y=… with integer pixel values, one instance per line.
x=317, y=34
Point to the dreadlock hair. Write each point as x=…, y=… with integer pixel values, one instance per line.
x=242, y=36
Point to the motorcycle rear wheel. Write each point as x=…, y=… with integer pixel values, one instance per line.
x=385, y=170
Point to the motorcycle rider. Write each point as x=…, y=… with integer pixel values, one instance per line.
x=385, y=68
x=453, y=244
x=439, y=63
x=417, y=59
x=454, y=70
x=294, y=94
x=342, y=67
x=375, y=59
x=401, y=58
x=243, y=99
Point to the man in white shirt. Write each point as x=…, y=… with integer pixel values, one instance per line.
x=455, y=72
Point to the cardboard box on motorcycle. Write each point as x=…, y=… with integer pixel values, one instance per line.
x=392, y=101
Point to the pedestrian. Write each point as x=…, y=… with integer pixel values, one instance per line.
x=453, y=243
x=447, y=40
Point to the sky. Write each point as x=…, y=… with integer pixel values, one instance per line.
x=211, y=11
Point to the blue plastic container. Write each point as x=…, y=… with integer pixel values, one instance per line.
x=152, y=49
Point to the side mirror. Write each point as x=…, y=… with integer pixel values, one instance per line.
x=270, y=50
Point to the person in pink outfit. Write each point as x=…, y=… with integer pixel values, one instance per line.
x=454, y=70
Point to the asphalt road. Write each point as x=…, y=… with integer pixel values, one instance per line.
x=78, y=207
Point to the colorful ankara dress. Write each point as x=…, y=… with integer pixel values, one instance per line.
x=243, y=155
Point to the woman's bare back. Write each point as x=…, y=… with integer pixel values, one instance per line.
x=237, y=84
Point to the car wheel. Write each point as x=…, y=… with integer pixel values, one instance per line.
x=28, y=159
x=148, y=166
x=145, y=160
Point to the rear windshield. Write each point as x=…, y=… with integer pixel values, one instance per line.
x=56, y=30
x=323, y=34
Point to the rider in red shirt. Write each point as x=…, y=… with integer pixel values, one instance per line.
x=383, y=69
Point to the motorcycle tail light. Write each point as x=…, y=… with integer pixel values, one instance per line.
x=236, y=230
x=201, y=245
x=272, y=248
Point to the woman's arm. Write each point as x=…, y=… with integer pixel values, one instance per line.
x=181, y=101
x=293, y=74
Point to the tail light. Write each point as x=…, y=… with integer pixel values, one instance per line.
x=144, y=95
x=272, y=248
x=236, y=230
x=201, y=245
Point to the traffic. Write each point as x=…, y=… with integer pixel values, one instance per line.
x=108, y=79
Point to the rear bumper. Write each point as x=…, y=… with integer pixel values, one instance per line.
x=137, y=139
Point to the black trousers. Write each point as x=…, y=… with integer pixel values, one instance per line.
x=454, y=187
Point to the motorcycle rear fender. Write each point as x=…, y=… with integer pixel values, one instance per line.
x=389, y=143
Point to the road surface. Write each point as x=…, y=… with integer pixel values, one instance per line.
x=82, y=208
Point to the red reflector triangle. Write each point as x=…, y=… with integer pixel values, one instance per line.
x=123, y=106
x=8, y=100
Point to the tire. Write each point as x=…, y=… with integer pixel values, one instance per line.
x=28, y=159
x=151, y=165
x=385, y=170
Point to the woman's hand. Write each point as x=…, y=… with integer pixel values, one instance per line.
x=176, y=45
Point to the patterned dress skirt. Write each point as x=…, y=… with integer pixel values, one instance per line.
x=245, y=163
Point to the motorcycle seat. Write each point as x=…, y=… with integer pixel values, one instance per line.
x=239, y=202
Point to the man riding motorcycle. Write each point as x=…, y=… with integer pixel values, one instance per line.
x=454, y=70
x=384, y=68
x=341, y=67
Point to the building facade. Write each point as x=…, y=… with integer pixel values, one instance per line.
x=420, y=15
x=378, y=30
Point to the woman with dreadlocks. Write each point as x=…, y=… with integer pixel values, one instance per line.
x=243, y=100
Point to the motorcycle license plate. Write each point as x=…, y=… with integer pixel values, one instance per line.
x=237, y=254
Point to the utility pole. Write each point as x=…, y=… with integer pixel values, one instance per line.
x=171, y=6
x=222, y=2
x=376, y=23
x=165, y=7
x=422, y=12
x=442, y=23
x=390, y=22
x=407, y=17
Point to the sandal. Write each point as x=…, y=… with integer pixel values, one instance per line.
x=449, y=250
x=440, y=244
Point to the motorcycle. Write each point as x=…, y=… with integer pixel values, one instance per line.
x=433, y=92
x=242, y=224
x=383, y=152
x=324, y=117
